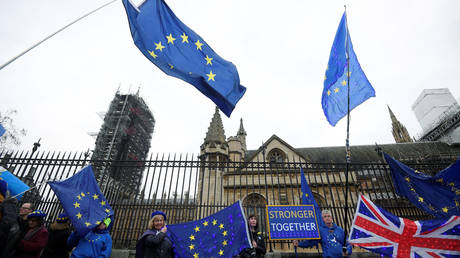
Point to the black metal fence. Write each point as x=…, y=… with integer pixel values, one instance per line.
x=189, y=188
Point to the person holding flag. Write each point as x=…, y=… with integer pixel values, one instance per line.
x=332, y=236
x=89, y=213
x=154, y=242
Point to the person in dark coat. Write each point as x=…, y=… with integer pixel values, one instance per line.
x=154, y=243
x=258, y=245
x=24, y=211
x=35, y=239
x=59, y=232
x=9, y=207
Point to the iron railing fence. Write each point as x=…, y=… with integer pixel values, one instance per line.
x=188, y=187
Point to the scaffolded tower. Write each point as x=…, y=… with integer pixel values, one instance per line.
x=123, y=144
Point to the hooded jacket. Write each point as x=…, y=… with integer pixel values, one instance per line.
x=332, y=239
x=97, y=243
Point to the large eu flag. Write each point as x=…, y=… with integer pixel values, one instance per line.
x=438, y=195
x=223, y=234
x=339, y=78
x=308, y=198
x=82, y=200
x=180, y=52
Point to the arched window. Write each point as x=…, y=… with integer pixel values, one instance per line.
x=276, y=157
x=254, y=203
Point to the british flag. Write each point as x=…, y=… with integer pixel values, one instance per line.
x=382, y=232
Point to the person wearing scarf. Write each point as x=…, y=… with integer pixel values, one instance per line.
x=97, y=243
x=154, y=243
x=36, y=237
x=59, y=231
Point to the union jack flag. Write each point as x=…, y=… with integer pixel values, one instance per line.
x=382, y=232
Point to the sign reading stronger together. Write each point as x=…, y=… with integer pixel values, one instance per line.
x=292, y=222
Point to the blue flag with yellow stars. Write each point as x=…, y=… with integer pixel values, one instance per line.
x=82, y=200
x=180, y=52
x=223, y=234
x=437, y=195
x=308, y=198
x=339, y=78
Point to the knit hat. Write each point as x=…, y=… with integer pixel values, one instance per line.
x=62, y=218
x=37, y=214
x=158, y=213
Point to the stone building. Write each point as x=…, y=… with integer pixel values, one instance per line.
x=399, y=131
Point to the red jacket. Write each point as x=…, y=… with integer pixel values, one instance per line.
x=32, y=247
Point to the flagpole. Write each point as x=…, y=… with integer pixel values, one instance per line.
x=347, y=141
x=51, y=35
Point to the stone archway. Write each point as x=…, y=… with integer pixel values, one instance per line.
x=254, y=204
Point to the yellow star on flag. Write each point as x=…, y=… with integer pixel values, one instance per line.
x=407, y=179
x=184, y=37
x=78, y=215
x=197, y=229
x=214, y=222
x=98, y=222
x=170, y=39
x=192, y=237
x=221, y=252
x=211, y=76
x=191, y=247
x=102, y=203
x=224, y=243
x=198, y=45
x=328, y=92
x=87, y=224
x=208, y=60
x=445, y=209
x=205, y=223
x=107, y=210
x=152, y=53
x=224, y=233
x=420, y=199
x=77, y=205
x=349, y=74
x=221, y=226
x=306, y=195
x=159, y=46
x=79, y=197
x=344, y=83
x=195, y=255
x=82, y=194
x=95, y=196
x=336, y=90
x=171, y=66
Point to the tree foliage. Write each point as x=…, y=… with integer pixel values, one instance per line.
x=12, y=136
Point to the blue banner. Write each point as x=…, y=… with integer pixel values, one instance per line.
x=292, y=222
x=15, y=185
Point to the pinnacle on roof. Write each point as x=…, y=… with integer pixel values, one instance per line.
x=241, y=131
x=216, y=131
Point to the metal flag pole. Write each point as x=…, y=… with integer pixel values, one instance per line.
x=45, y=39
x=347, y=141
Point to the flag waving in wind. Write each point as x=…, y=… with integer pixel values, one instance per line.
x=180, y=52
x=379, y=231
x=223, y=234
x=339, y=78
x=82, y=200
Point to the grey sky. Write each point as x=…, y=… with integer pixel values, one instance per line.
x=280, y=49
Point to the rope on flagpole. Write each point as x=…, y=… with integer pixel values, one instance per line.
x=48, y=37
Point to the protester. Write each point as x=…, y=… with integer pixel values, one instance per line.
x=24, y=211
x=97, y=243
x=332, y=238
x=257, y=239
x=154, y=243
x=36, y=237
x=3, y=189
x=10, y=232
x=59, y=232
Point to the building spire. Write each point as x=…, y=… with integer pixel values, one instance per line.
x=216, y=133
x=241, y=131
x=400, y=133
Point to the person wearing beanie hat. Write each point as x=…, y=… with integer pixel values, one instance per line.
x=97, y=243
x=35, y=239
x=3, y=190
x=59, y=231
x=154, y=243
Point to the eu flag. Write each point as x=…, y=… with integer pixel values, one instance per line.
x=180, y=52
x=308, y=198
x=15, y=186
x=223, y=234
x=2, y=130
x=335, y=96
x=437, y=195
x=82, y=200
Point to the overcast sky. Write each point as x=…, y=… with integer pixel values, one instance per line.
x=280, y=49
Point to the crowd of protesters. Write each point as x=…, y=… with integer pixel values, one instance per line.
x=23, y=233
